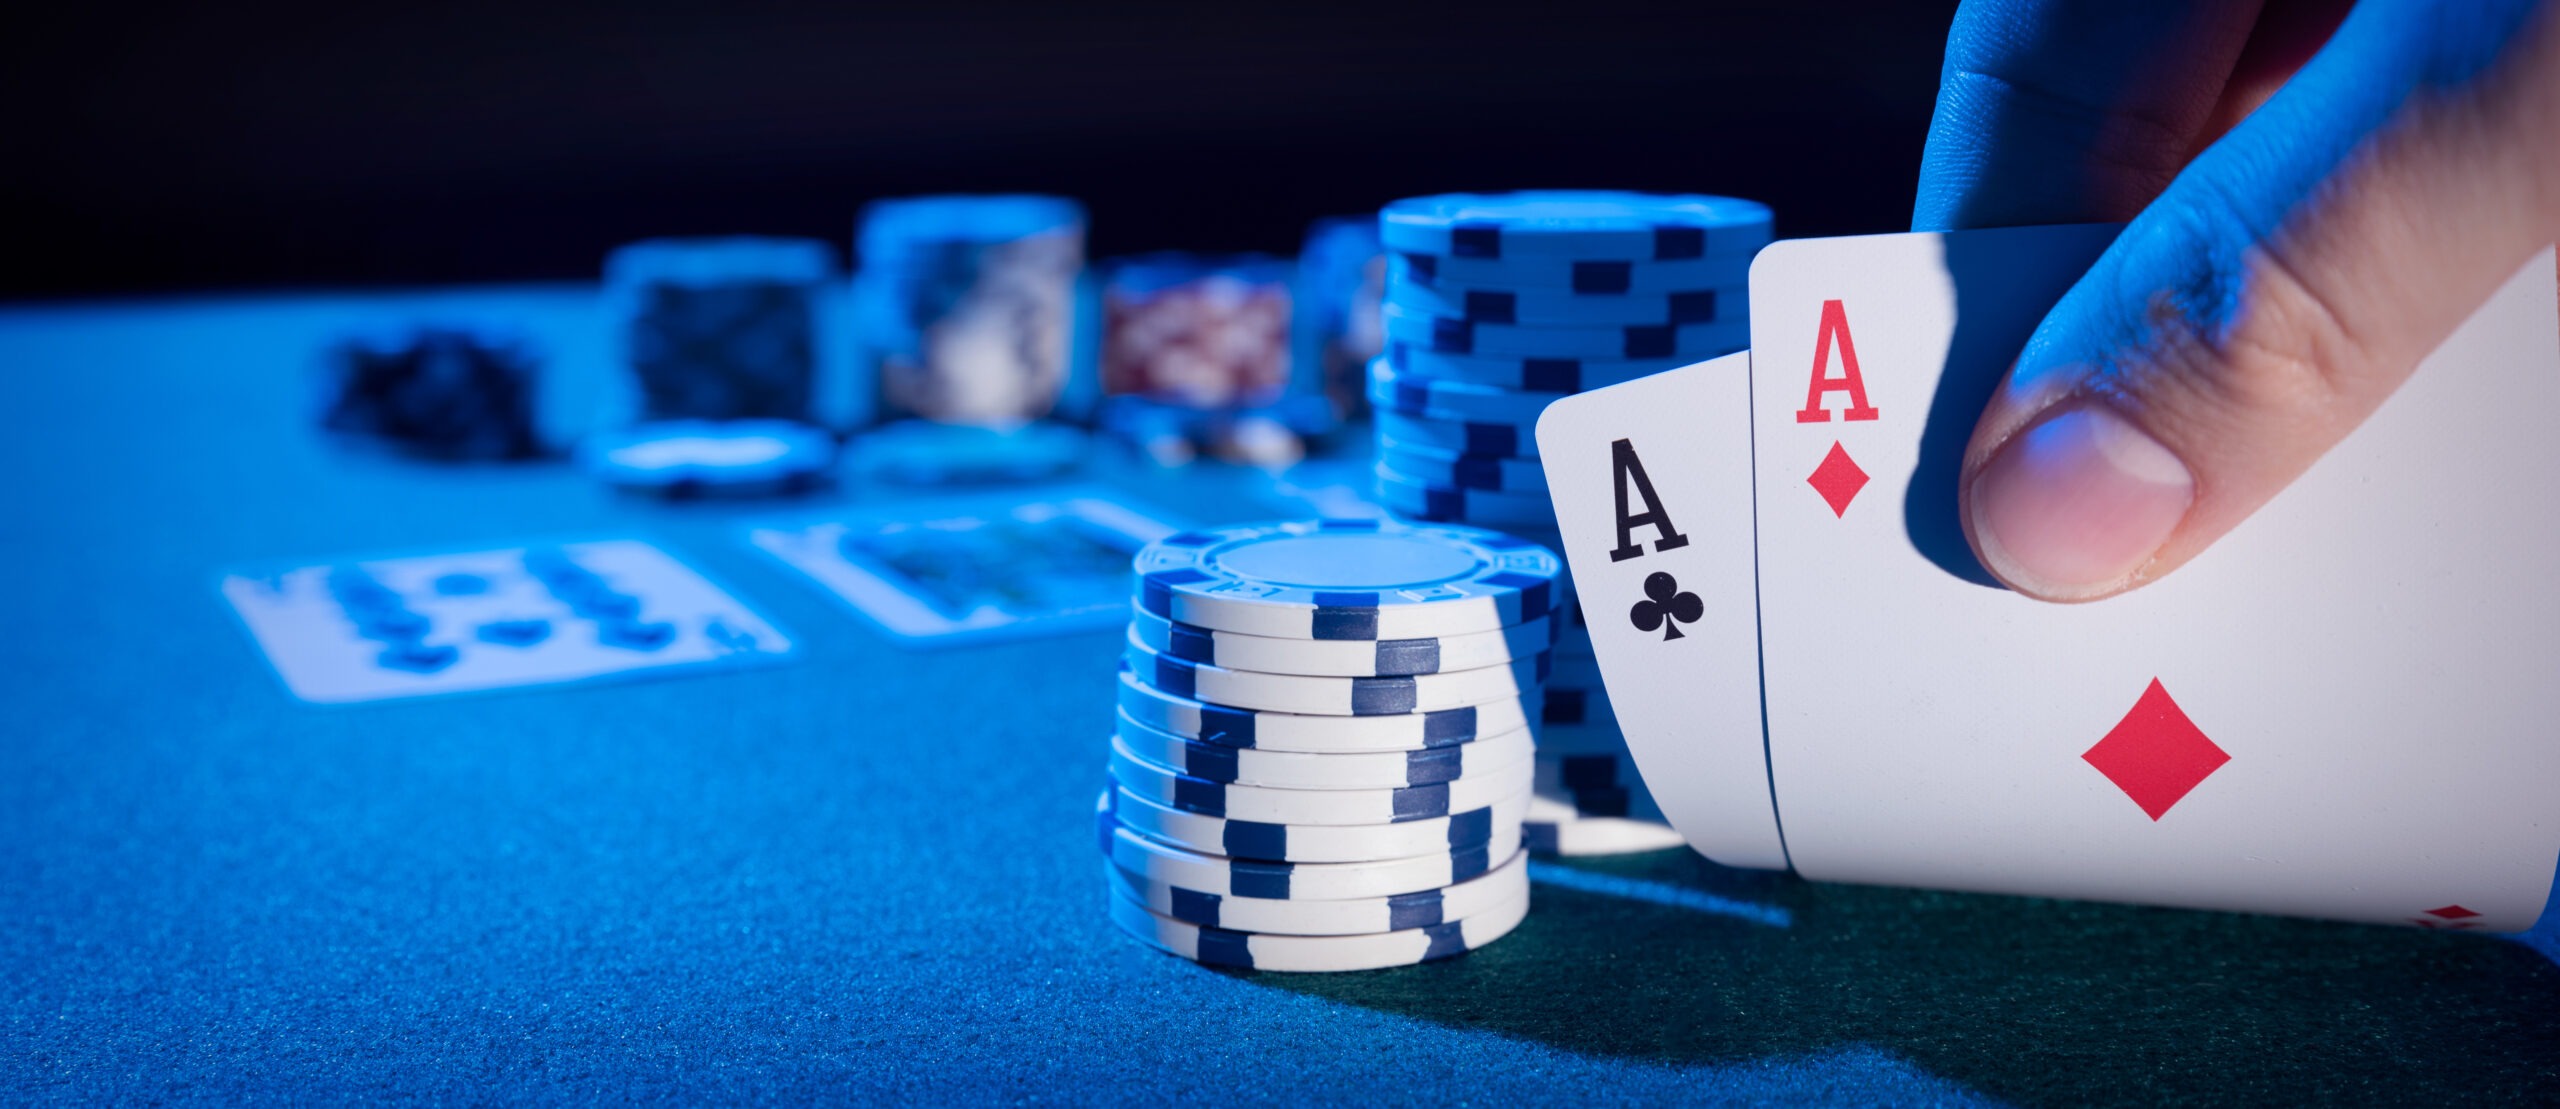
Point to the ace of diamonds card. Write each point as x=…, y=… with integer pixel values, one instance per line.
x=2346, y=708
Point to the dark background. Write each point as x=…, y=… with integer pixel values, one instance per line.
x=245, y=145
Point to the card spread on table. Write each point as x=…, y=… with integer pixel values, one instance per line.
x=2341, y=709
x=962, y=569
x=372, y=629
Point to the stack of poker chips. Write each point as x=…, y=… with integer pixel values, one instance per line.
x=1496, y=305
x=721, y=338
x=1196, y=357
x=965, y=304
x=440, y=392
x=1342, y=276
x=720, y=329
x=1323, y=757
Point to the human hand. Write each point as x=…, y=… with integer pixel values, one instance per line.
x=2309, y=219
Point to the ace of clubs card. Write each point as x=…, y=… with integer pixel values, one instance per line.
x=2343, y=709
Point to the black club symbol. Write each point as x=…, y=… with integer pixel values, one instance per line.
x=1665, y=607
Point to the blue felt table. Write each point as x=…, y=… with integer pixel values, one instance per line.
x=869, y=875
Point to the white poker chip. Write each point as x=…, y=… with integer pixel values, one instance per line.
x=1576, y=671
x=695, y=457
x=1408, y=496
x=1286, y=731
x=1297, y=693
x=1725, y=302
x=1157, y=861
x=1578, y=277
x=1555, y=827
x=1694, y=342
x=1575, y=224
x=1492, y=438
x=1318, y=954
x=1347, y=579
x=1172, y=788
x=1342, y=658
x=1317, y=843
x=1601, y=738
x=1342, y=770
x=1396, y=391
x=1343, y=917
x=1262, y=951
x=1532, y=375
x=1567, y=703
x=1596, y=785
x=1462, y=471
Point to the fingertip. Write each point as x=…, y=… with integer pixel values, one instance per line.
x=2074, y=507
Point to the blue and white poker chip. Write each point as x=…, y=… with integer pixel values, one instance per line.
x=1356, y=916
x=1407, y=496
x=1529, y=375
x=1576, y=704
x=1565, y=308
x=1222, y=876
x=1174, y=789
x=1344, y=658
x=1326, y=696
x=1261, y=951
x=1286, y=731
x=1598, y=784
x=1580, y=670
x=1495, y=438
x=1694, y=342
x=1575, y=224
x=1462, y=471
x=1316, y=843
x=1398, y=391
x=1556, y=827
x=1581, y=278
x=1347, y=579
x=1332, y=770
x=691, y=457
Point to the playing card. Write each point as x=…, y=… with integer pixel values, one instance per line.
x=370, y=629
x=2343, y=709
x=1652, y=487
x=966, y=569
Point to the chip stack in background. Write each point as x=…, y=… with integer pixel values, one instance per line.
x=1342, y=277
x=964, y=305
x=721, y=340
x=1323, y=758
x=964, y=311
x=1496, y=305
x=1195, y=358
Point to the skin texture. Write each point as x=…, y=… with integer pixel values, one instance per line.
x=2317, y=197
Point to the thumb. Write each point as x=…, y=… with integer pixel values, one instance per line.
x=2274, y=295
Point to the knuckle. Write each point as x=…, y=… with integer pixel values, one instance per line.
x=2234, y=332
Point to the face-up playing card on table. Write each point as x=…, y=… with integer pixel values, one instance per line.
x=970, y=568
x=2345, y=708
x=371, y=629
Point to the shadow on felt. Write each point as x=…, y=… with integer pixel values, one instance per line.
x=2029, y=1000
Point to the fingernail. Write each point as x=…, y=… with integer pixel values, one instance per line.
x=2077, y=504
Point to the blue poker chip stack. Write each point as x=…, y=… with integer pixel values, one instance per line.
x=1496, y=305
x=720, y=328
x=1323, y=758
x=965, y=304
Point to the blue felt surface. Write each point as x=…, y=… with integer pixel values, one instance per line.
x=868, y=875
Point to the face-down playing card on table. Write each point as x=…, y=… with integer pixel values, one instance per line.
x=2343, y=709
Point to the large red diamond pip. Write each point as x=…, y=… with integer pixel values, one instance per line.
x=1838, y=480
x=2155, y=754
